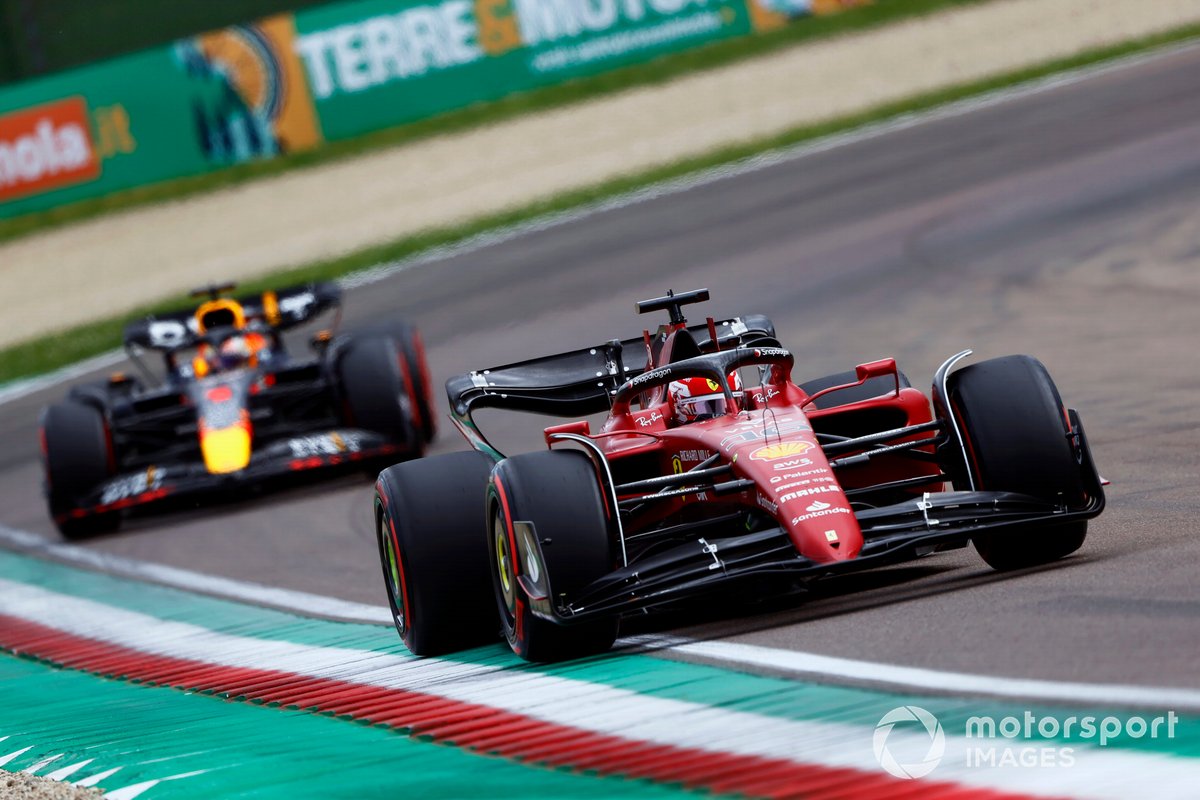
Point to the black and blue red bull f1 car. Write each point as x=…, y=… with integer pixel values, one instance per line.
x=232, y=408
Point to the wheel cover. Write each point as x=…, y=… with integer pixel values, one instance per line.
x=504, y=566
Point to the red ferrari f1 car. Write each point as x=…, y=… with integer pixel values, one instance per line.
x=232, y=408
x=713, y=467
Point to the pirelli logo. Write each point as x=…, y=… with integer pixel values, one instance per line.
x=46, y=147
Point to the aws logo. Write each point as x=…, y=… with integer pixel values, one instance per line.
x=792, y=463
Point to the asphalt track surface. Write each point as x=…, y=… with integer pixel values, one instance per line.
x=1064, y=224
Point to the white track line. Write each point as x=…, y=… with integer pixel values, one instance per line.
x=891, y=676
x=672, y=186
x=311, y=605
x=27, y=386
x=765, y=160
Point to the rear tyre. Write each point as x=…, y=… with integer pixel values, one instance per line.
x=559, y=493
x=417, y=374
x=374, y=393
x=1017, y=440
x=430, y=523
x=78, y=457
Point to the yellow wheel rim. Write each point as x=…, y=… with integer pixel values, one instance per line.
x=504, y=566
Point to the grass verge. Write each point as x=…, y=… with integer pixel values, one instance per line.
x=56, y=350
x=881, y=12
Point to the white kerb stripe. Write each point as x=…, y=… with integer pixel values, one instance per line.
x=800, y=664
x=255, y=593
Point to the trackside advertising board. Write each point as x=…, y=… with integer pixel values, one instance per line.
x=288, y=83
x=195, y=106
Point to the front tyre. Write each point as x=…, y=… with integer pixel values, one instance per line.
x=559, y=493
x=78, y=457
x=1018, y=440
x=429, y=522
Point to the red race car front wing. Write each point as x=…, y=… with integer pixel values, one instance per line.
x=900, y=532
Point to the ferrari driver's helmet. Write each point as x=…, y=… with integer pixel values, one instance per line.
x=702, y=398
x=220, y=313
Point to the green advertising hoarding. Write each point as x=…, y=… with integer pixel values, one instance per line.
x=198, y=105
x=133, y=132
x=287, y=83
x=370, y=66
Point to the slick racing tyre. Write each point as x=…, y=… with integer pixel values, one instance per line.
x=417, y=379
x=430, y=523
x=1016, y=432
x=375, y=395
x=558, y=492
x=78, y=457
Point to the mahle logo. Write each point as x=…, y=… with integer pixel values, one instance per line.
x=916, y=748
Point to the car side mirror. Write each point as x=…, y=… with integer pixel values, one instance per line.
x=876, y=369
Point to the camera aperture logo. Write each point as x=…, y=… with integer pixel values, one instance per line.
x=909, y=742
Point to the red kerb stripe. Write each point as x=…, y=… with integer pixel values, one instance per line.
x=477, y=727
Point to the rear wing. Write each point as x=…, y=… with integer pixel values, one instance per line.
x=581, y=382
x=278, y=310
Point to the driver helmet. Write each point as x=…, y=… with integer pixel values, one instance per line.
x=701, y=398
x=235, y=352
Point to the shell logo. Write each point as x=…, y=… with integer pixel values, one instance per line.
x=774, y=452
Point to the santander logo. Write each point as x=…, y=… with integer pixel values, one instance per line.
x=46, y=148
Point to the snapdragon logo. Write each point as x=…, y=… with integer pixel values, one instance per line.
x=916, y=748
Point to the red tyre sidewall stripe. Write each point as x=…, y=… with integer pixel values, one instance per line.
x=519, y=605
x=108, y=447
x=408, y=615
x=422, y=363
x=408, y=619
x=45, y=455
x=406, y=374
